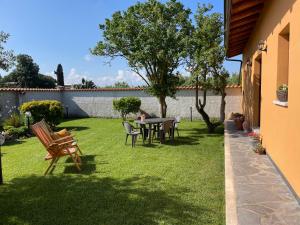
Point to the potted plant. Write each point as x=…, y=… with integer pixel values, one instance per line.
x=282, y=93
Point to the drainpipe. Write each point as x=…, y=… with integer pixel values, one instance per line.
x=241, y=63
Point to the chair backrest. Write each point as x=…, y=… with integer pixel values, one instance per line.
x=47, y=127
x=128, y=127
x=167, y=125
x=42, y=133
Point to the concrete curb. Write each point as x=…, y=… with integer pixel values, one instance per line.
x=230, y=197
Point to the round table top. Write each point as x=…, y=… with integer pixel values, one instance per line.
x=154, y=120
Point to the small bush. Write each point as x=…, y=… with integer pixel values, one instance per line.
x=127, y=105
x=16, y=131
x=15, y=120
x=50, y=110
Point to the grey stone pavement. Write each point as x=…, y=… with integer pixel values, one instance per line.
x=256, y=194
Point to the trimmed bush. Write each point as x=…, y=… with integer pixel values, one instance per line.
x=50, y=110
x=127, y=105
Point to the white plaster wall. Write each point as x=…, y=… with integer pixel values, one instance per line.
x=99, y=103
x=8, y=104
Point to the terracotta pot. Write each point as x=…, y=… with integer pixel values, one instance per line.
x=239, y=122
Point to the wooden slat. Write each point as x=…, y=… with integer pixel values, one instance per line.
x=243, y=18
x=241, y=15
x=238, y=1
x=240, y=36
x=237, y=48
x=244, y=21
x=241, y=6
x=242, y=29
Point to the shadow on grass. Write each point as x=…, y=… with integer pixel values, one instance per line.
x=191, y=137
x=72, y=128
x=14, y=142
x=88, y=165
x=92, y=200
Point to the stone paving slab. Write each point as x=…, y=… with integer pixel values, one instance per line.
x=256, y=194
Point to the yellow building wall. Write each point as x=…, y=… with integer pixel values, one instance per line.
x=280, y=126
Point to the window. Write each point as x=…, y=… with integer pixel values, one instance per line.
x=283, y=56
x=283, y=64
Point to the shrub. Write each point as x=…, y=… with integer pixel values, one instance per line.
x=15, y=120
x=127, y=105
x=16, y=131
x=50, y=110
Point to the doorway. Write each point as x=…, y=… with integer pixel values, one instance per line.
x=257, y=99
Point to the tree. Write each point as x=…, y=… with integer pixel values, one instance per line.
x=26, y=72
x=121, y=84
x=44, y=81
x=205, y=57
x=7, y=57
x=152, y=37
x=26, y=75
x=127, y=105
x=234, y=79
x=60, y=75
x=220, y=81
x=85, y=84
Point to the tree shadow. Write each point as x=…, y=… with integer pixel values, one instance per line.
x=72, y=128
x=191, y=136
x=88, y=165
x=85, y=200
x=14, y=142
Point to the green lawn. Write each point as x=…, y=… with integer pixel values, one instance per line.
x=158, y=184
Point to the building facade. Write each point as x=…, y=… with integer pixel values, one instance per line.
x=267, y=34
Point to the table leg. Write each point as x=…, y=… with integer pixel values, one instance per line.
x=150, y=129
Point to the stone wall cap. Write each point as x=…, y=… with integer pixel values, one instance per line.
x=95, y=89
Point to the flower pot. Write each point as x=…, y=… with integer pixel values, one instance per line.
x=239, y=122
x=282, y=96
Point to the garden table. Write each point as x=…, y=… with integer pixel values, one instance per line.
x=152, y=121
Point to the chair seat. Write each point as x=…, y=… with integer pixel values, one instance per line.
x=61, y=153
x=135, y=133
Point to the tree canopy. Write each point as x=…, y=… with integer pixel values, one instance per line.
x=7, y=57
x=205, y=59
x=60, y=75
x=152, y=37
x=26, y=75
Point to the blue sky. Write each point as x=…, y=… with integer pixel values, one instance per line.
x=63, y=31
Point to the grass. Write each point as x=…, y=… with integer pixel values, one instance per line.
x=119, y=185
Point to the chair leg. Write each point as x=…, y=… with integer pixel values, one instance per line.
x=126, y=139
x=51, y=164
x=177, y=132
x=54, y=165
x=79, y=149
x=74, y=160
x=132, y=141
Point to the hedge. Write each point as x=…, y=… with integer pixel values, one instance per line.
x=50, y=110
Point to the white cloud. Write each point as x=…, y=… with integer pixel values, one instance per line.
x=130, y=77
x=74, y=77
x=88, y=57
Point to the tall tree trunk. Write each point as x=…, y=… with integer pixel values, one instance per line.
x=163, y=106
x=200, y=108
x=222, y=107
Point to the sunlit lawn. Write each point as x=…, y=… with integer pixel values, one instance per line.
x=158, y=184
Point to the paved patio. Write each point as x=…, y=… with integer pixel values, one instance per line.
x=255, y=191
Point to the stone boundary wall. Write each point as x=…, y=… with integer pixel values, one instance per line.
x=98, y=102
